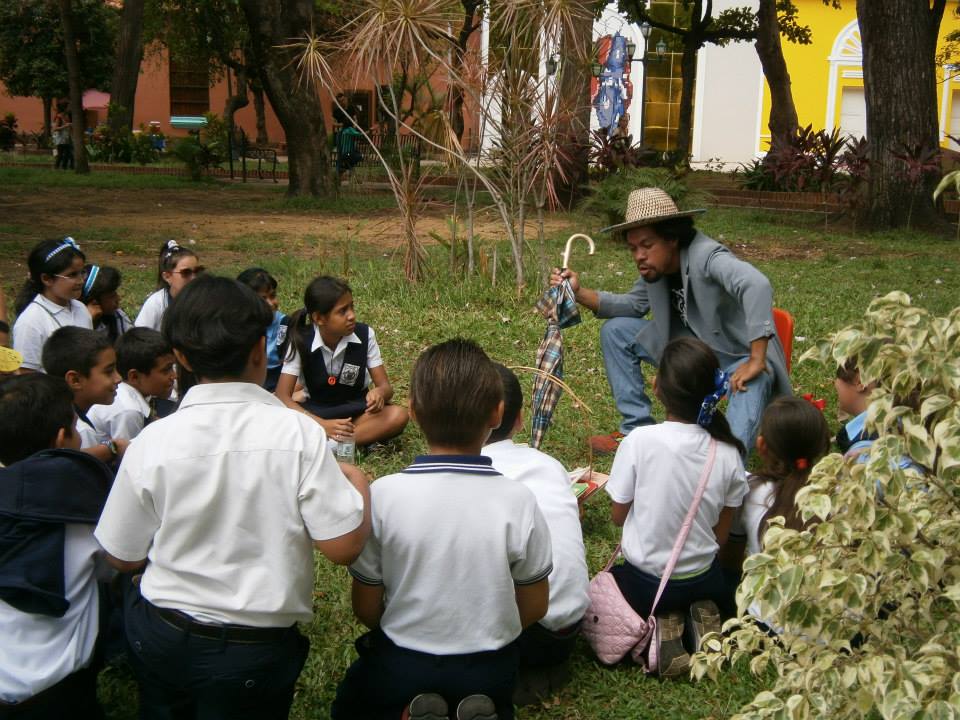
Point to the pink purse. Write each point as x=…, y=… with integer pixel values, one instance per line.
x=610, y=625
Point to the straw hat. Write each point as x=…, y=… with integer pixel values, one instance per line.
x=10, y=360
x=647, y=206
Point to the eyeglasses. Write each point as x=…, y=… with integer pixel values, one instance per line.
x=75, y=276
x=188, y=273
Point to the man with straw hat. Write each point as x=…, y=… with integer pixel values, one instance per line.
x=693, y=286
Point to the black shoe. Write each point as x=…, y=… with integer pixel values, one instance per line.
x=428, y=706
x=703, y=617
x=476, y=707
x=672, y=658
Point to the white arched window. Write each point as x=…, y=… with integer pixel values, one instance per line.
x=846, y=62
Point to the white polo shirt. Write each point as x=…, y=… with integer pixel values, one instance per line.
x=91, y=434
x=657, y=467
x=451, y=538
x=224, y=497
x=124, y=417
x=333, y=359
x=39, y=320
x=38, y=651
x=550, y=484
x=152, y=310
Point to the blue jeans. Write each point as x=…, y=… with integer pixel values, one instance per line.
x=622, y=357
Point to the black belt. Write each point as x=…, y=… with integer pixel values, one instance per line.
x=228, y=633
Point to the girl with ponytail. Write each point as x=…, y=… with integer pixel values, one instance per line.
x=49, y=299
x=654, y=477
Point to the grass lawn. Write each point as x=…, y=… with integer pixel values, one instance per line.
x=825, y=276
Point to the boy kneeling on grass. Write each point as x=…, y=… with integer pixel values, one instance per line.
x=224, y=500
x=51, y=497
x=456, y=565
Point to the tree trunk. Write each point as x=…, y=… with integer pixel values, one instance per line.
x=783, y=121
x=688, y=71
x=899, y=77
x=272, y=23
x=574, y=132
x=47, y=114
x=239, y=98
x=76, y=87
x=456, y=92
x=260, y=110
x=126, y=71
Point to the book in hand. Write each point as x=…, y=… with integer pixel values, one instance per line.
x=585, y=482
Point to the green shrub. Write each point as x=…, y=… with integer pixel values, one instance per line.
x=868, y=595
x=609, y=196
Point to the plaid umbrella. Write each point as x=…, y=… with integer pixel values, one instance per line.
x=559, y=309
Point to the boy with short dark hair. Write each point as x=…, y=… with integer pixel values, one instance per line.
x=145, y=362
x=226, y=498
x=50, y=499
x=545, y=647
x=853, y=398
x=457, y=563
x=87, y=360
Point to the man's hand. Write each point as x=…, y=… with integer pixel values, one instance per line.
x=557, y=276
x=375, y=400
x=745, y=373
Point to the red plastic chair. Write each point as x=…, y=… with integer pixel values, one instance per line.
x=783, y=321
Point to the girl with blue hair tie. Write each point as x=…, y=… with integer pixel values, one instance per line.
x=655, y=475
x=101, y=295
x=50, y=298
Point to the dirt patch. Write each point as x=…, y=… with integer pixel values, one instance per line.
x=226, y=220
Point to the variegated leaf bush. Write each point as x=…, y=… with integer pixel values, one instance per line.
x=867, y=596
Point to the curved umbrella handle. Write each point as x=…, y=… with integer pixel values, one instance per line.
x=566, y=251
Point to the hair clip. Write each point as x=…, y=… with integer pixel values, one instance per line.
x=68, y=242
x=801, y=463
x=820, y=404
x=91, y=279
x=721, y=386
x=171, y=247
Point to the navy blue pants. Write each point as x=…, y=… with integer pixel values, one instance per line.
x=386, y=677
x=74, y=697
x=183, y=676
x=640, y=588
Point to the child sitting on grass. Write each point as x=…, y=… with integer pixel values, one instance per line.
x=545, y=647
x=177, y=266
x=457, y=563
x=226, y=498
x=653, y=480
x=338, y=358
x=793, y=437
x=265, y=285
x=49, y=299
x=87, y=361
x=50, y=499
x=853, y=398
x=101, y=296
x=145, y=362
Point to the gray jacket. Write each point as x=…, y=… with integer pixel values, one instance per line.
x=729, y=304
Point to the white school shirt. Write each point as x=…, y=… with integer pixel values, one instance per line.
x=38, y=651
x=39, y=320
x=124, y=417
x=91, y=433
x=657, y=467
x=747, y=520
x=124, y=323
x=333, y=359
x=152, y=310
x=224, y=498
x=549, y=482
x=451, y=538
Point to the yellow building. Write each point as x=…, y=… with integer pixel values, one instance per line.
x=827, y=75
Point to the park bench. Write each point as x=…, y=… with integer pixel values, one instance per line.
x=386, y=143
x=243, y=150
